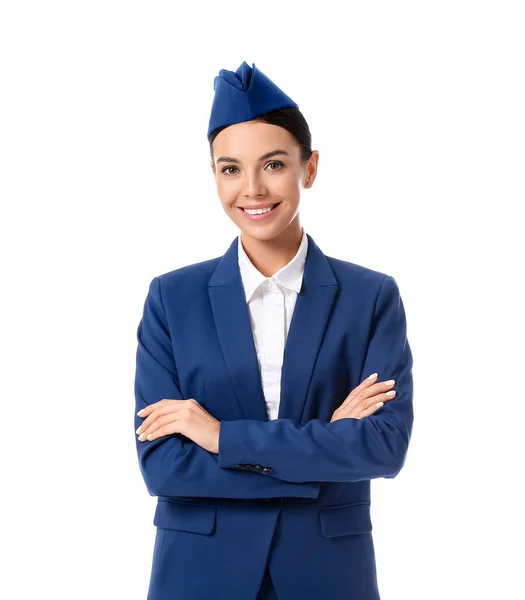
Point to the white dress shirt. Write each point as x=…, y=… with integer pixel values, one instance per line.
x=271, y=301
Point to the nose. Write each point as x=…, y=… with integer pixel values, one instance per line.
x=254, y=186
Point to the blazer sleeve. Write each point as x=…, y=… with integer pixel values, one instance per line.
x=173, y=465
x=345, y=450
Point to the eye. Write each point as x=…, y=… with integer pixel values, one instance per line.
x=226, y=168
x=276, y=162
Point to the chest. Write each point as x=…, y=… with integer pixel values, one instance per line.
x=319, y=350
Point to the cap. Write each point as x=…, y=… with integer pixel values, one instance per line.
x=244, y=95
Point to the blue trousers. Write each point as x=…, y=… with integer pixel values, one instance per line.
x=267, y=591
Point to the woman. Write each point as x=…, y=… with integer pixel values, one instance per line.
x=259, y=433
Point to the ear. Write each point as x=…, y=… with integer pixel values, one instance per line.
x=312, y=168
x=212, y=163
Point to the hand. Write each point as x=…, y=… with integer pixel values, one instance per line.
x=363, y=400
x=180, y=416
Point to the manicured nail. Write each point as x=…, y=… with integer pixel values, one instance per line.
x=373, y=376
x=379, y=404
x=141, y=437
x=150, y=436
x=138, y=430
x=140, y=412
x=390, y=382
x=391, y=393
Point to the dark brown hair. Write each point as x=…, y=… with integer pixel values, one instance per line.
x=291, y=119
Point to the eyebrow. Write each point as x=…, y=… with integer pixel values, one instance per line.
x=263, y=157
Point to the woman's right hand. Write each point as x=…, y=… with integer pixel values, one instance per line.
x=363, y=400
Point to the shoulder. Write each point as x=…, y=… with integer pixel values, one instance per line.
x=364, y=287
x=369, y=285
x=349, y=274
x=189, y=278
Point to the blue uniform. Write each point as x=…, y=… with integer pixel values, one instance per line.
x=285, y=499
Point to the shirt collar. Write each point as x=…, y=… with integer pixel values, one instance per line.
x=290, y=276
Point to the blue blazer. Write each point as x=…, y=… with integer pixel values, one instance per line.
x=292, y=493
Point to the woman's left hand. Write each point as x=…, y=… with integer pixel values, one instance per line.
x=180, y=416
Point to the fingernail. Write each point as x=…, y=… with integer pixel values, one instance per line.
x=379, y=404
x=373, y=376
x=138, y=430
x=391, y=393
x=390, y=382
x=141, y=437
x=140, y=411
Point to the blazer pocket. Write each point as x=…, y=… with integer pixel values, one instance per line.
x=193, y=518
x=345, y=520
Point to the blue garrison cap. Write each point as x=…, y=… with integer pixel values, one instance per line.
x=244, y=95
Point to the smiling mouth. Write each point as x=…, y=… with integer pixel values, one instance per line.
x=273, y=206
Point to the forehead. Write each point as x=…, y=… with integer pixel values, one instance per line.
x=252, y=139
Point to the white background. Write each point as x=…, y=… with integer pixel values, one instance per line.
x=417, y=110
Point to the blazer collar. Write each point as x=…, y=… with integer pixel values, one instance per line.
x=310, y=318
x=290, y=276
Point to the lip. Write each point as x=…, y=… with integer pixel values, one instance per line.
x=262, y=217
x=256, y=206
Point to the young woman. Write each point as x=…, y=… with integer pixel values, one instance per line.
x=265, y=400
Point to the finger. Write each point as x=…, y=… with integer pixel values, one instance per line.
x=379, y=387
x=371, y=409
x=144, y=412
x=361, y=405
x=365, y=386
x=175, y=411
x=372, y=390
x=164, y=425
x=152, y=416
x=147, y=410
x=377, y=393
x=150, y=412
x=367, y=403
x=370, y=380
x=162, y=409
x=360, y=389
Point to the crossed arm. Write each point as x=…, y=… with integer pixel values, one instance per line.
x=348, y=449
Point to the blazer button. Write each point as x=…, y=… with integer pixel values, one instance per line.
x=267, y=470
x=257, y=467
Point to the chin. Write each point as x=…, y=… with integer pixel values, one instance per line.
x=262, y=233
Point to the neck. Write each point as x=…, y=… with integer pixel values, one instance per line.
x=269, y=256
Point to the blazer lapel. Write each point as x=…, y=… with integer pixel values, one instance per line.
x=309, y=320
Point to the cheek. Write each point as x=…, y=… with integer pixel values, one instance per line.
x=226, y=192
x=287, y=187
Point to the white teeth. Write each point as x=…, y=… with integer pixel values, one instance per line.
x=259, y=211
